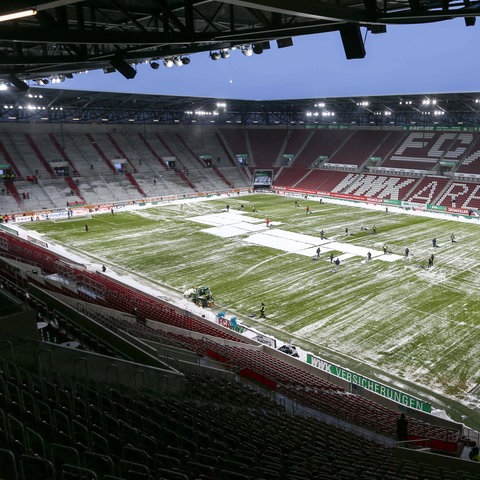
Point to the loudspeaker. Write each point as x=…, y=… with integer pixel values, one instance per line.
x=378, y=29
x=284, y=42
x=352, y=40
x=19, y=84
x=469, y=21
x=123, y=67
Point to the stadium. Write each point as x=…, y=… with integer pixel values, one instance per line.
x=196, y=289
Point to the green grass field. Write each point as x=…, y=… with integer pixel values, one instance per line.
x=413, y=327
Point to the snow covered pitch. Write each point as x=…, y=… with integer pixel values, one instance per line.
x=391, y=317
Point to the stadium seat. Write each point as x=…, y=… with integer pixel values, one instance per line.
x=166, y=462
x=101, y=464
x=3, y=429
x=170, y=474
x=136, y=455
x=16, y=439
x=134, y=471
x=99, y=443
x=232, y=475
x=35, y=443
x=8, y=467
x=35, y=468
x=63, y=454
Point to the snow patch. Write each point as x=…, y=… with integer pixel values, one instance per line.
x=226, y=225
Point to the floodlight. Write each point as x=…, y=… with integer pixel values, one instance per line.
x=247, y=50
x=177, y=61
x=58, y=79
x=214, y=55
x=154, y=65
x=224, y=53
x=168, y=62
x=17, y=15
x=185, y=60
x=259, y=47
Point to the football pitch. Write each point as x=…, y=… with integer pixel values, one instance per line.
x=392, y=318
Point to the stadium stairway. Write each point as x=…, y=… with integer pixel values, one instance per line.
x=100, y=152
x=39, y=154
x=63, y=153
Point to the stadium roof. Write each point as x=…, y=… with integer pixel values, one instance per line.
x=42, y=40
x=446, y=110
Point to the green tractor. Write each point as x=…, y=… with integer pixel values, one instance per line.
x=201, y=296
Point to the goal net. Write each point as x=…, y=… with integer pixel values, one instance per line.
x=81, y=216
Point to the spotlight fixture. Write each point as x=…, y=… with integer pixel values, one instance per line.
x=177, y=61
x=185, y=60
x=58, y=79
x=214, y=55
x=108, y=69
x=17, y=83
x=154, y=65
x=224, y=53
x=247, y=50
x=258, y=48
x=43, y=81
x=168, y=62
x=123, y=67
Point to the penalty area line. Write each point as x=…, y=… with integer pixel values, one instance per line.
x=103, y=221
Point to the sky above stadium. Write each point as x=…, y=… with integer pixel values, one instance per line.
x=425, y=58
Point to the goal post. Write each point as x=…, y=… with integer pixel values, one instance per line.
x=72, y=218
